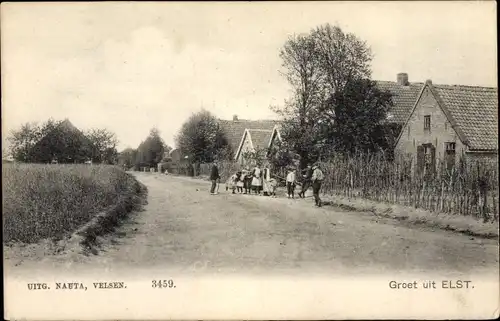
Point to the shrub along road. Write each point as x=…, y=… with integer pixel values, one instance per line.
x=185, y=228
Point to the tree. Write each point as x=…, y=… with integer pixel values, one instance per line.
x=303, y=72
x=202, y=139
x=24, y=139
x=103, y=144
x=326, y=68
x=358, y=112
x=127, y=157
x=342, y=57
x=150, y=152
x=279, y=156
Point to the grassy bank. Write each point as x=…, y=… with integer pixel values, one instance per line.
x=52, y=201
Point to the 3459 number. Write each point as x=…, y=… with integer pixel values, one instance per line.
x=162, y=284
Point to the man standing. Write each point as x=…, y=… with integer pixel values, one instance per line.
x=317, y=179
x=214, y=177
x=307, y=181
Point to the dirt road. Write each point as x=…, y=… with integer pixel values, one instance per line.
x=185, y=228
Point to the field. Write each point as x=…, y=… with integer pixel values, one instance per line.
x=51, y=201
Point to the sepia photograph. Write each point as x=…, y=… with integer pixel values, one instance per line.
x=250, y=160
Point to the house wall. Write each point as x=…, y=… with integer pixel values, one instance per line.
x=246, y=147
x=175, y=155
x=488, y=157
x=441, y=132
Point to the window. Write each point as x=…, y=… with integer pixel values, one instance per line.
x=450, y=147
x=426, y=155
x=449, y=154
x=427, y=123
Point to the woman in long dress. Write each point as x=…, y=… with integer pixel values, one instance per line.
x=266, y=180
x=257, y=180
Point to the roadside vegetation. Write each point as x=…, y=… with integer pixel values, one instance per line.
x=52, y=201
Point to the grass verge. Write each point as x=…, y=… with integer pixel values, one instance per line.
x=49, y=203
x=458, y=223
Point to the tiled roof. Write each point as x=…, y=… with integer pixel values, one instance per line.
x=234, y=129
x=403, y=97
x=475, y=111
x=260, y=137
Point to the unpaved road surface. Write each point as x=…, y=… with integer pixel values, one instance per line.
x=185, y=228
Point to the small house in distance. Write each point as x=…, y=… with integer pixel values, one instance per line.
x=449, y=121
x=247, y=135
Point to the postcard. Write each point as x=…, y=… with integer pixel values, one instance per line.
x=250, y=160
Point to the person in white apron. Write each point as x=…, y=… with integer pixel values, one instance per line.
x=257, y=180
x=266, y=181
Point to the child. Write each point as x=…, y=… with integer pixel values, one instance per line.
x=231, y=183
x=248, y=181
x=290, y=183
x=239, y=182
x=273, y=184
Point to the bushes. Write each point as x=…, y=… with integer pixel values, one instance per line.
x=42, y=201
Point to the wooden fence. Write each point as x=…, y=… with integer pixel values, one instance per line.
x=470, y=188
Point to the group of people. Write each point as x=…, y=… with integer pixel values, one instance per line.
x=311, y=176
x=260, y=182
x=257, y=180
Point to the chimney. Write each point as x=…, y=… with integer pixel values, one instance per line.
x=402, y=79
x=428, y=82
x=235, y=117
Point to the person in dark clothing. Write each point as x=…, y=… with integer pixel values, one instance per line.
x=214, y=177
x=307, y=181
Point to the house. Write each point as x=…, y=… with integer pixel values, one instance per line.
x=247, y=135
x=448, y=121
x=64, y=144
x=175, y=155
x=253, y=140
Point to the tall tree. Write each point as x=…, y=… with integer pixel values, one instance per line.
x=103, y=145
x=150, y=152
x=343, y=57
x=329, y=72
x=201, y=138
x=299, y=114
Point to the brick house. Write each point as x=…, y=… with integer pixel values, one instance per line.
x=246, y=135
x=449, y=121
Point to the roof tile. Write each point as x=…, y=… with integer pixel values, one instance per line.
x=475, y=110
x=234, y=129
x=403, y=97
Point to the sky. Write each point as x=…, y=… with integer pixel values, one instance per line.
x=131, y=66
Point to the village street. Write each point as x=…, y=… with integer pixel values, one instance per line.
x=184, y=228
